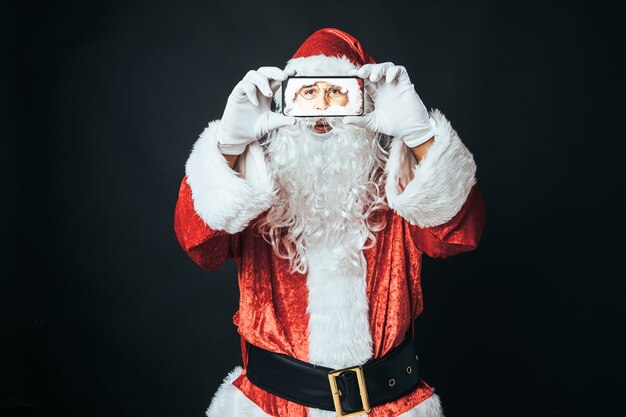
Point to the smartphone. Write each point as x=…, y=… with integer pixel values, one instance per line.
x=329, y=96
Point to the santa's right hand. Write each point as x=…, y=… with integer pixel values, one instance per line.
x=248, y=116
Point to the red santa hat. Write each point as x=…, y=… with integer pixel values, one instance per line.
x=329, y=42
x=328, y=51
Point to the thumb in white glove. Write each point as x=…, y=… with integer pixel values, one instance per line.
x=398, y=110
x=248, y=116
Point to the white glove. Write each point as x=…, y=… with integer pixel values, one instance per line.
x=398, y=110
x=247, y=116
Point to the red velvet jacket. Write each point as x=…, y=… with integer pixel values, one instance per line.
x=271, y=312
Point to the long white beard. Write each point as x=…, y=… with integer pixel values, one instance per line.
x=327, y=187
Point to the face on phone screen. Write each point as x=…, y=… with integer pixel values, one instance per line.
x=322, y=96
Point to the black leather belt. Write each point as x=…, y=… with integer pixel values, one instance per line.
x=350, y=391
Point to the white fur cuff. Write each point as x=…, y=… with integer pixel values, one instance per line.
x=434, y=190
x=224, y=199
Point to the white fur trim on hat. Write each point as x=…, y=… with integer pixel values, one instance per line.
x=320, y=65
x=433, y=191
x=224, y=199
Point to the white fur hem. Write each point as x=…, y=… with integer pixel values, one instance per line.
x=224, y=199
x=228, y=401
x=434, y=190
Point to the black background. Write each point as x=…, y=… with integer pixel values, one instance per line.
x=104, y=314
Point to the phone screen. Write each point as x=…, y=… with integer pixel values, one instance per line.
x=330, y=96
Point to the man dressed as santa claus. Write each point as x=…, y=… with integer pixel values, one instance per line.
x=327, y=219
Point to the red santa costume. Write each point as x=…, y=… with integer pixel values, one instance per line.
x=330, y=315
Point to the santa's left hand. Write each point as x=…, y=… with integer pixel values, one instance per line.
x=398, y=110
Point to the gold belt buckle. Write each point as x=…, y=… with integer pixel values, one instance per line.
x=360, y=377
